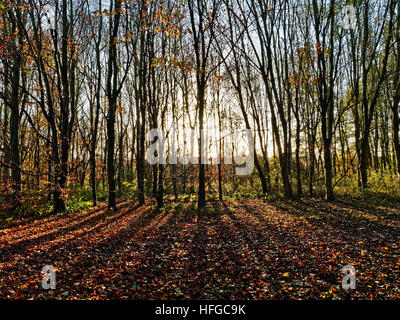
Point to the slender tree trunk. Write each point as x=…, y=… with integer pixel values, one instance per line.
x=112, y=95
x=14, y=126
x=202, y=192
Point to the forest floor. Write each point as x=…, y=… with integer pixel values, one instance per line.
x=246, y=249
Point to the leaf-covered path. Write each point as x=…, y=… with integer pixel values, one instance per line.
x=233, y=250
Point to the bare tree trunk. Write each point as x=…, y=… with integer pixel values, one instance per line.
x=112, y=95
